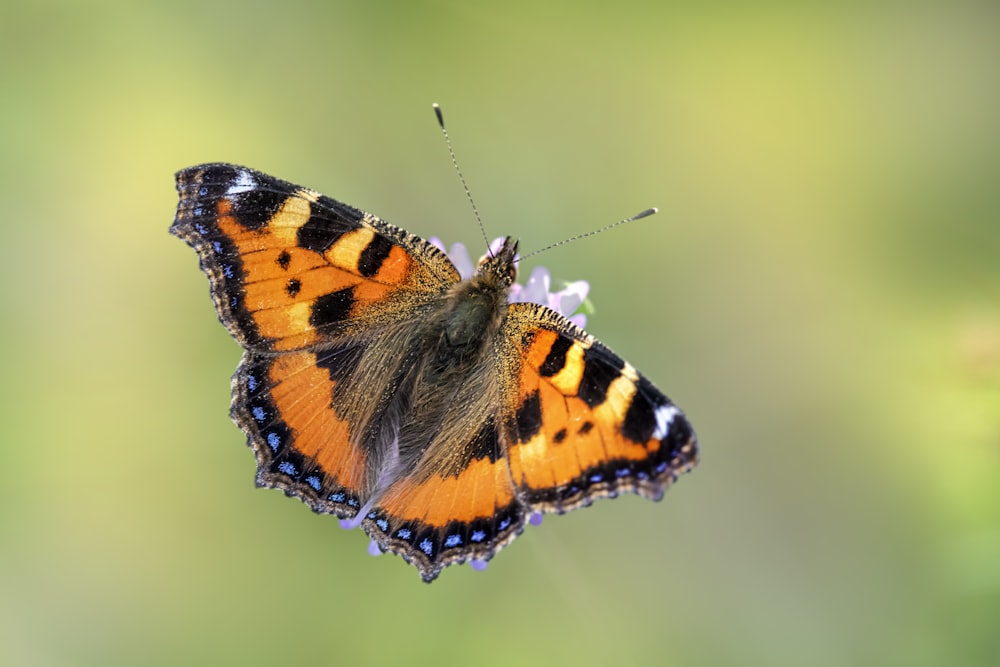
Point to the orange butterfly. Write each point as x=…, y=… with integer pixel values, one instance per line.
x=379, y=386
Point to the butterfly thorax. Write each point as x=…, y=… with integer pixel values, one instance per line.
x=475, y=307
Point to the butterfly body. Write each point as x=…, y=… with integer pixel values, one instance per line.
x=379, y=386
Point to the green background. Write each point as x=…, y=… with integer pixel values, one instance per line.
x=820, y=293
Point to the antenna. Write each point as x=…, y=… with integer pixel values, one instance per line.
x=454, y=161
x=638, y=216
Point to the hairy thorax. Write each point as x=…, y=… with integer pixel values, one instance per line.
x=455, y=384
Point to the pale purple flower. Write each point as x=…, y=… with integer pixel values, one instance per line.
x=374, y=549
x=566, y=301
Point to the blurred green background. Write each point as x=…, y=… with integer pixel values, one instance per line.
x=821, y=294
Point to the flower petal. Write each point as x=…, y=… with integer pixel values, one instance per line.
x=572, y=296
x=459, y=256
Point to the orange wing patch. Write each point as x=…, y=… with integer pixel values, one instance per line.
x=436, y=520
x=301, y=391
x=477, y=492
x=283, y=404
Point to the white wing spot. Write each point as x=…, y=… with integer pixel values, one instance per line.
x=664, y=417
x=243, y=183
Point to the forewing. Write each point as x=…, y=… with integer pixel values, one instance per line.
x=581, y=423
x=291, y=269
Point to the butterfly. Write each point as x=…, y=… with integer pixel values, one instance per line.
x=378, y=385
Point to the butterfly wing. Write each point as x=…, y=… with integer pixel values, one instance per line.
x=581, y=423
x=303, y=447
x=291, y=269
x=306, y=284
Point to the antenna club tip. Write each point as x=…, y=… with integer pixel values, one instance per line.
x=440, y=116
x=644, y=214
x=654, y=210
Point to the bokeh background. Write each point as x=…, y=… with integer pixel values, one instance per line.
x=821, y=294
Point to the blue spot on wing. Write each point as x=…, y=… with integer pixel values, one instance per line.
x=337, y=497
x=404, y=533
x=478, y=536
x=313, y=481
x=273, y=441
x=453, y=540
x=288, y=468
x=427, y=546
x=258, y=413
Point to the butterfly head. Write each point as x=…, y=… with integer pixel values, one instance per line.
x=499, y=267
